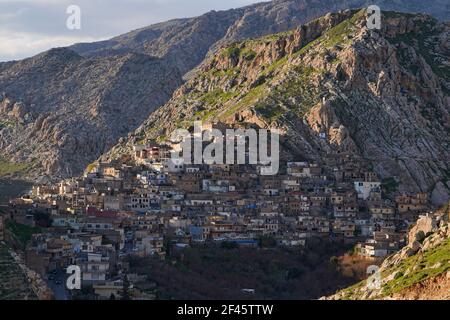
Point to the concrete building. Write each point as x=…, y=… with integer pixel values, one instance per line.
x=364, y=188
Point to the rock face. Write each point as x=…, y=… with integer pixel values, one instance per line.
x=64, y=108
x=332, y=85
x=60, y=111
x=37, y=284
x=423, y=227
x=185, y=42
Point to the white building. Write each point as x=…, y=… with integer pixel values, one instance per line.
x=95, y=268
x=364, y=188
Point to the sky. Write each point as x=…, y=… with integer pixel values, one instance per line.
x=28, y=27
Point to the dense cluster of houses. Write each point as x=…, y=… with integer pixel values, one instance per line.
x=118, y=209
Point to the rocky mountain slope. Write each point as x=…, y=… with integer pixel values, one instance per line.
x=420, y=271
x=63, y=108
x=185, y=42
x=380, y=95
x=60, y=110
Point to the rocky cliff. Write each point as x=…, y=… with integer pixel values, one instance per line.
x=381, y=96
x=420, y=271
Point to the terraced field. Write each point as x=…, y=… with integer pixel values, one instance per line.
x=13, y=283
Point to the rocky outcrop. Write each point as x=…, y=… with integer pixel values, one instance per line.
x=423, y=227
x=37, y=284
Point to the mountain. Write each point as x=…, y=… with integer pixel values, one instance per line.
x=420, y=271
x=60, y=110
x=63, y=108
x=186, y=42
x=380, y=96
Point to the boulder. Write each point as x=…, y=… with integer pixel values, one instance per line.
x=423, y=227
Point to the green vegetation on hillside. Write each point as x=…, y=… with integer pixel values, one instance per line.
x=251, y=98
x=9, y=168
x=13, y=283
x=22, y=233
x=418, y=268
x=341, y=34
x=424, y=41
x=389, y=185
x=6, y=124
x=409, y=272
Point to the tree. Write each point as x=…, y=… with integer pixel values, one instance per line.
x=229, y=245
x=126, y=289
x=42, y=219
x=267, y=241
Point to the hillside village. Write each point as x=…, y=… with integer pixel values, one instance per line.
x=364, y=124
x=149, y=206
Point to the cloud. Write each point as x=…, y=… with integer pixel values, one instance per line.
x=31, y=26
x=14, y=46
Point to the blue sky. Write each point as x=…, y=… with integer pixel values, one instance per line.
x=28, y=27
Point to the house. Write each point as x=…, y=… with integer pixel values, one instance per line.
x=382, y=210
x=94, y=267
x=140, y=200
x=112, y=202
x=376, y=249
x=60, y=252
x=371, y=249
x=384, y=242
x=364, y=227
x=108, y=289
x=115, y=237
x=97, y=224
x=67, y=221
x=190, y=182
x=412, y=203
x=86, y=242
x=152, y=245
x=147, y=222
x=344, y=228
x=364, y=188
x=44, y=192
x=198, y=234
x=297, y=169
x=347, y=210
x=151, y=152
x=216, y=186
x=111, y=171
x=171, y=166
x=293, y=242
